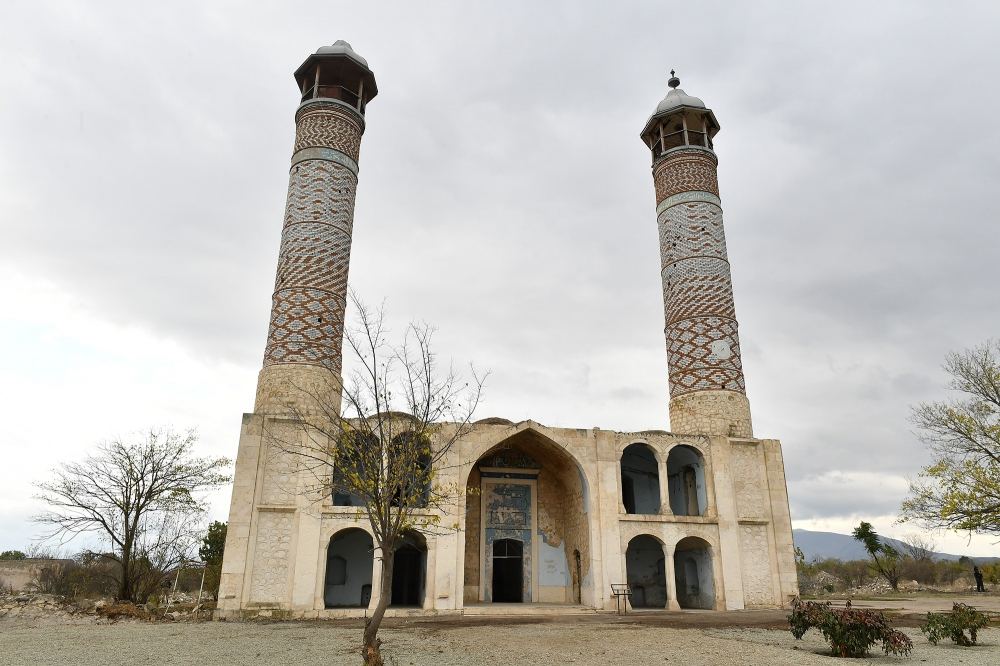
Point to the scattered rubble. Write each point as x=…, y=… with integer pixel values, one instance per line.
x=52, y=608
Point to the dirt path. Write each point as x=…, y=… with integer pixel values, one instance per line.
x=585, y=640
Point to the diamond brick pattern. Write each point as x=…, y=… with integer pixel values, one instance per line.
x=328, y=126
x=694, y=364
x=685, y=171
x=703, y=348
x=310, y=287
x=307, y=326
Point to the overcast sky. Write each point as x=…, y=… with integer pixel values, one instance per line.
x=505, y=197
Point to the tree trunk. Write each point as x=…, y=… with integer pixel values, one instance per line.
x=125, y=586
x=370, y=649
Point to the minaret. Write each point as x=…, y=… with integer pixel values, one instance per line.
x=267, y=515
x=707, y=390
x=305, y=336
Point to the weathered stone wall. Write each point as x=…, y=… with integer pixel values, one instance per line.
x=748, y=481
x=758, y=585
x=712, y=413
x=19, y=575
x=278, y=482
x=281, y=387
x=473, y=534
x=272, y=554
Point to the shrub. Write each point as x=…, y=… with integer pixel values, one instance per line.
x=124, y=609
x=850, y=632
x=955, y=624
x=54, y=578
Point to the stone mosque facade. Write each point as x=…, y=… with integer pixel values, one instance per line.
x=692, y=518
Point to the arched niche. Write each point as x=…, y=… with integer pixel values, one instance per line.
x=645, y=572
x=686, y=481
x=349, y=559
x=640, y=479
x=693, y=571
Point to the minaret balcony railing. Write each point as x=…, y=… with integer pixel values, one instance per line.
x=677, y=140
x=336, y=92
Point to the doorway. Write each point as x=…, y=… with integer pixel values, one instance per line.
x=407, y=576
x=508, y=571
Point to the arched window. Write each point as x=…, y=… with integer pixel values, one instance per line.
x=686, y=481
x=640, y=480
x=352, y=455
x=410, y=461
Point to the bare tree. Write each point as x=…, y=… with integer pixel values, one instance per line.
x=382, y=444
x=960, y=489
x=143, y=499
x=920, y=547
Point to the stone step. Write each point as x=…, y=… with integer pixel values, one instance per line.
x=527, y=609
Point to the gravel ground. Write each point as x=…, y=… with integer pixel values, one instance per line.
x=589, y=643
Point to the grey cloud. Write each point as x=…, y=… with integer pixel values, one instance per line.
x=504, y=194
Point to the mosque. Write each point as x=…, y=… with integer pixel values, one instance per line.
x=692, y=518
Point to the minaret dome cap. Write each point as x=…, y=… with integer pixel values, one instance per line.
x=677, y=97
x=339, y=65
x=677, y=100
x=340, y=47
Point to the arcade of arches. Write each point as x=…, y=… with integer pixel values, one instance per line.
x=685, y=476
x=350, y=569
x=647, y=568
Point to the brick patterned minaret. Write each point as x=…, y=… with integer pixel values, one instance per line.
x=707, y=389
x=305, y=336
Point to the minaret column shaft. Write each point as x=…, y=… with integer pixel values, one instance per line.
x=305, y=337
x=707, y=388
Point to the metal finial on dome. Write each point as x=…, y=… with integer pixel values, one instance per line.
x=674, y=81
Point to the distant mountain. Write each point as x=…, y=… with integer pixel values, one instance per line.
x=821, y=545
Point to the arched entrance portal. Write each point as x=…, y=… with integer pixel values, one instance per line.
x=693, y=572
x=409, y=565
x=527, y=516
x=349, y=561
x=645, y=572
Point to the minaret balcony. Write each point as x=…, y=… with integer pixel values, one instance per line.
x=337, y=92
x=680, y=139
